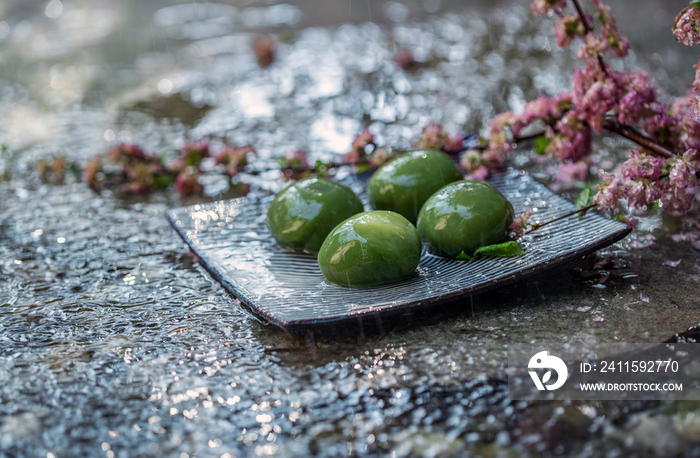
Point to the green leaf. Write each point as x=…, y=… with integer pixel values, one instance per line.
x=281, y=161
x=464, y=257
x=502, y=250
x=162, y=181
x=584, y=198
x=362, y=168
x=695, y=3
x=541, y=143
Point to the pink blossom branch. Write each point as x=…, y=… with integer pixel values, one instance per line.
x=589, y=29
x=637, y=137
x=615, y=127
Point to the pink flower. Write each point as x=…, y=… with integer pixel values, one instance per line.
x=404, y=59
x=191, y=154
x=631, y=108
x=359, y=145
x=615, y=40
x=295, y=165
x=379, y=157
x=662, y=126
x=618, y=43
x=570, y=173
x=493, y=159
x=696, y=81
x=641, y=94
x=499, y=146
x=296, y=159
x=683, y=105
x=502, y=121
x=687, y=26
x=520, y=224
x=265, y=50
x=542, y=108
x=570, y=139
x=689, y=134
x=140, y=178
x=234, y=158
x=593, y=46
x=473, y=163
x=642, y=166
x=610, y=192
x=594, y=95
x=567, y=28
x=682, y=183
x=125, y=153
x=641, y=193
x=187, y=183
x=90, y=173
x=434, y=136
x=545, y=6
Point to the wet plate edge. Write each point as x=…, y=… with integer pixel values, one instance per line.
x=399, y=308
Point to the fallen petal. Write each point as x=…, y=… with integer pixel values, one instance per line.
x=583, y=309
x=643, y=297
x=672, y=263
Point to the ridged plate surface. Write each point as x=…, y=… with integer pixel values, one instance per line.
x=288, y=289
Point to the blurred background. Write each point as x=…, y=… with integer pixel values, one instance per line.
x=169, y=59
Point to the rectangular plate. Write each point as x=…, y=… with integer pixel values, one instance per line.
x=288, y=289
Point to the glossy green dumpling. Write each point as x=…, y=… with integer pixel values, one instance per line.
x=404, y=184
x=370, y=249
x=464, y=216
x=304, y=213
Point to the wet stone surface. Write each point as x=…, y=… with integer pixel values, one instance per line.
x=115, y=342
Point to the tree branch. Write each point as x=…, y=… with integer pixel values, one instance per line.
x=631, y=133
x=538, y=226
x=589, y=29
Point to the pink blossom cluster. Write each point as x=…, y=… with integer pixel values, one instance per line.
x=358, y=152
x=686, y=29
x=612, y=39
x=547, y=6
x=520, y=224
x=188, y=167
x=234, y=158
x=435, y=137
x=472, y=162
x=294, y=164
x=567, y=29
x=599, y=99
x=137, y=172
x=645, y=179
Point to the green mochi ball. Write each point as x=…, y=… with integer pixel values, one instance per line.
x=302, y=215
x=370, y=249
x=404, y=184
x=464, y=216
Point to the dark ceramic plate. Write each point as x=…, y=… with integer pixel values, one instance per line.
x=288, y=289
